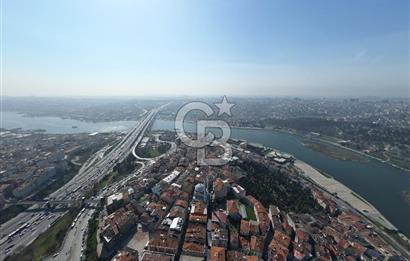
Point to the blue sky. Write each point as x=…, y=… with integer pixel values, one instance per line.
x=160, y=48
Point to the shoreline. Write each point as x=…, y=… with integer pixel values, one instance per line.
x=23, y=114
x=328, y=142
x=354, y=201
x=248, y=128
x=334, y=187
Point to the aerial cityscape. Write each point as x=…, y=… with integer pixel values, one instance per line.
x=214, y=130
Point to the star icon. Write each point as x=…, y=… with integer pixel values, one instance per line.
x=224, y=107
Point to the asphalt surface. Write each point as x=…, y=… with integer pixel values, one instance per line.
x=27, y=226
x=75, y=240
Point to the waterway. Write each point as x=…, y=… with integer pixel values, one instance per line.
x=377, y=182
x=55, y=125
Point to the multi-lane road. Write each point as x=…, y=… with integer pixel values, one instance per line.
x=27, y=226
x=75, y=241
x=74, y=245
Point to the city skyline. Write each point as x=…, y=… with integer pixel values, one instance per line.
x=217, y=130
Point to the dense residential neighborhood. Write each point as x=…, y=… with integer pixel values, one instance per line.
x=178, y=210
x=32, y=160
x=175, y=130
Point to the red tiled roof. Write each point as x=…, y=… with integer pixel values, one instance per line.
x=244, y=243
x=181, y=203
x=282, y=238
x=198, y=218
x=245, y=227
x=217, y=254
x=232, y=207
x=277, y=251
x=256, y=244
x=219, y=217
x=193, y=248
x=235, y=256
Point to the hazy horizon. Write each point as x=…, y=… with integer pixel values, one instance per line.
x=211, y=48
x=218, y=96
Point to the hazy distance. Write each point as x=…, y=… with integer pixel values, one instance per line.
x=163, y=48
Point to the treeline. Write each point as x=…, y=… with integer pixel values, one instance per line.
x=273, y=186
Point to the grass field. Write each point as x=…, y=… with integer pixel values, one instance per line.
x=250, y=213
x=48, y=242
x=108, y=180
x=334, y=152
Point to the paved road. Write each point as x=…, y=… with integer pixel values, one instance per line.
x=38, y=223
x=335, y=187
x=171, y=150
x=75, y=239
x=73, y=247
x=73, y=190
x=346, y=198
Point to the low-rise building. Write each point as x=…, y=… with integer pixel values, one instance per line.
x=156, y=256
x=244, y=244
x=217, y=254
x=195, y=233
x=116, y=201
x=233, y=238
x=39, y=178
x=234, y=255
x=126, y=255
x=256, y=245
x=220, y=188
x=219, y=237
x=193, y=249
x=244, y=228
x=164, y=243
x=238, y=191
x=277, y=251
x=116, y=226
x=233, y=211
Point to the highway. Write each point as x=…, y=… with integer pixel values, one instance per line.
x=76, y=239
x=73, y=246
x=74, y=243
x=25, y=227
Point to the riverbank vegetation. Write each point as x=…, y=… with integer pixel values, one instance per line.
x=333, y=151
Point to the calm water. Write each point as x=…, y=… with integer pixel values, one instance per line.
x=55, y=125
x=379, y=183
